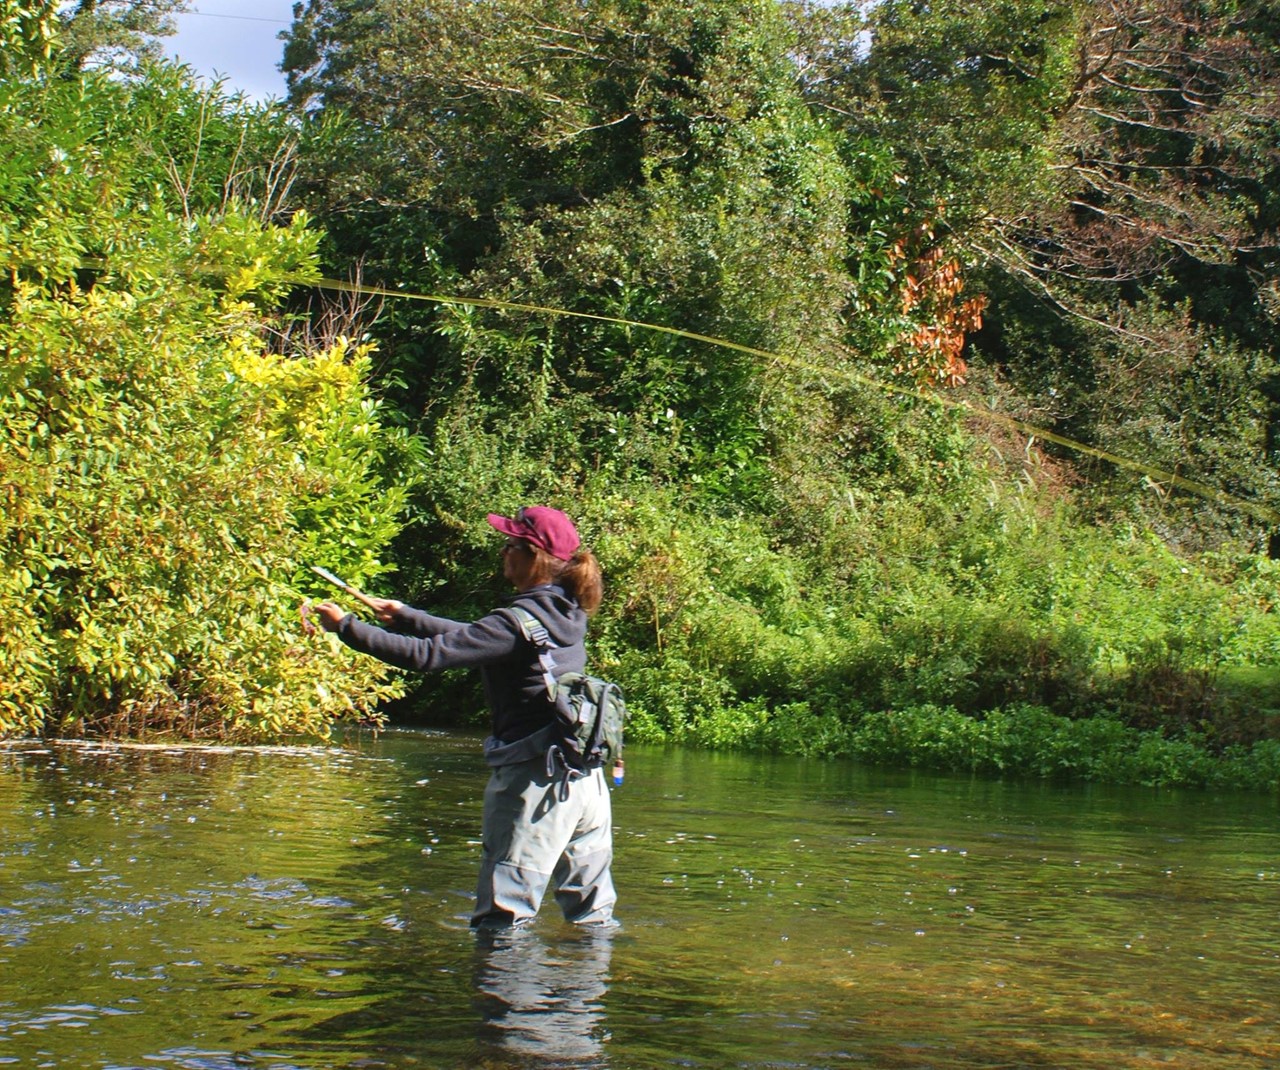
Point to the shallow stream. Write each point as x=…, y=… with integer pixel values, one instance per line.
x=307, y=908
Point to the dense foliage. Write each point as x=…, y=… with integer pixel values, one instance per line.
x=1109, y=169
x=850, y=192
x=918, y=230
x=164, y=474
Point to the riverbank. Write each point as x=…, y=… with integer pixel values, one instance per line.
x=1017, y=740
x=1020, y=741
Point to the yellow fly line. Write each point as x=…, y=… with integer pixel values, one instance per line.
x=1158, y=475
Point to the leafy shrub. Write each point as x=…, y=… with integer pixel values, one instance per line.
x=1029, y=740
x=165, y=476
x=1003, y=649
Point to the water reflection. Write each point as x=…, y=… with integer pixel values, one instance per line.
x=543, y=1005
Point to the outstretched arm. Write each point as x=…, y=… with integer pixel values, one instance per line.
x=398, y=617
x=490, y=639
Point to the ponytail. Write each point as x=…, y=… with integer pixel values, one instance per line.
x=579, y=576
x=582, y=581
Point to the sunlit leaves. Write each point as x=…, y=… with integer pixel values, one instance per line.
x=28, y=33
x=166, y=476
x=930, y=350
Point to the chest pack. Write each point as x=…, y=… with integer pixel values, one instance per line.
x=589, y=711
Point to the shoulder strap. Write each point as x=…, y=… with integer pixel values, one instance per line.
x=536, y=632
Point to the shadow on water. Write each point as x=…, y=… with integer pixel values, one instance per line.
x=305, y=909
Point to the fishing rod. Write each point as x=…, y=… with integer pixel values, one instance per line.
x=343, y=585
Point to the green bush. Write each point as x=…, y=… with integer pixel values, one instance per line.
x=1028, y=740
x=166, y=476
x=1005, y=649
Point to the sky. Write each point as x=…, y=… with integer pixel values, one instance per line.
x=235, y=40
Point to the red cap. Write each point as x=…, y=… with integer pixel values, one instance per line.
x=546, y=528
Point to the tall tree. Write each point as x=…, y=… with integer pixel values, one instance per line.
x=1111, y=169
x=1107, y=140
x=115, y=34
x=641, y=160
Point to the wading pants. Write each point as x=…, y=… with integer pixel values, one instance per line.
x=535, y=833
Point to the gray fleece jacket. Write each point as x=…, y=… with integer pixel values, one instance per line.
x=495, y=644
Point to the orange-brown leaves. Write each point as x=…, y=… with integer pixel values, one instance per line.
x=930, y=351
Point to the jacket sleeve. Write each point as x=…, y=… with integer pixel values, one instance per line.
x=410, y=621
x=492, y=638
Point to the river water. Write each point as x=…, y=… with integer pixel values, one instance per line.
x=307, y=908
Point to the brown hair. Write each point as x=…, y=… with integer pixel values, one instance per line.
x=580, y=576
